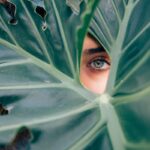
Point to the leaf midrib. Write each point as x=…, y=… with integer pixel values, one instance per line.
x=117, y=46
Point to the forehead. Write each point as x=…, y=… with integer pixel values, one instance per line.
x=90, y=43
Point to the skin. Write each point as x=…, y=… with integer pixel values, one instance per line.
x=3, y=1
x=95, y=66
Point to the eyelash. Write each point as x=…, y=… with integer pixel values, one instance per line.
x=101, y=60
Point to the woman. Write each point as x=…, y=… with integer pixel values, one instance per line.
x=95, y=62
x=95, y=66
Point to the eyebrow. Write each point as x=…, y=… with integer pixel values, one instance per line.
x=94, y=50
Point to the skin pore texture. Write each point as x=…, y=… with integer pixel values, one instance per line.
x=95, y=66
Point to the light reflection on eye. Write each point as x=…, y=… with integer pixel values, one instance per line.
x=99, y=64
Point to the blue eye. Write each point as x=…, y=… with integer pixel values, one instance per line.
x=99, y=64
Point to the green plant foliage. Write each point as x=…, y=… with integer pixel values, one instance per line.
x=39, y=75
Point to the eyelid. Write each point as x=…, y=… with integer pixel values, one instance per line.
x=103, y=58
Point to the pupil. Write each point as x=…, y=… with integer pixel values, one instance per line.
x=98, y=63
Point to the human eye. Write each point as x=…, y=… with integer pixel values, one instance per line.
x=98, y=64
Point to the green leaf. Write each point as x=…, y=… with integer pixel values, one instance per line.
x=123, y=28
x=39, y=76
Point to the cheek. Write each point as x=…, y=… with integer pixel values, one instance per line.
x=95, y=82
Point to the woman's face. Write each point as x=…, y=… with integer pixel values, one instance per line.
x=95, y=66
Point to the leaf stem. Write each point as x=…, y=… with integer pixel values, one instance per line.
x=117, y=48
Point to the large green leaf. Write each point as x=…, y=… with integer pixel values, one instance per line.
x=123, y=27
x=39, y=76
